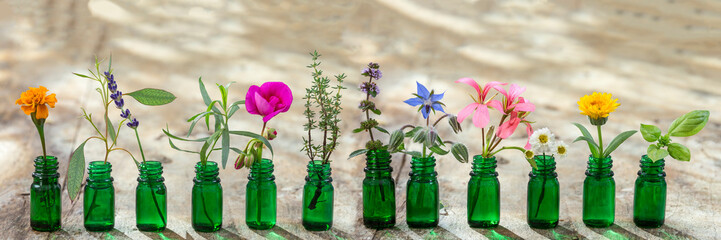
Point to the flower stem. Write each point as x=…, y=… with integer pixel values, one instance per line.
x=205, y=207
x=140, y=146
x=600, y=142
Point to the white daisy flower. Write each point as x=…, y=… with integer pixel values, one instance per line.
x=561, y=149
x=542, y=141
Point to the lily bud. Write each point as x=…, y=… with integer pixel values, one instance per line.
x=239, y=162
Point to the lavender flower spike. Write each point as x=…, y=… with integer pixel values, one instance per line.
x=125, y=114
x=133, y=123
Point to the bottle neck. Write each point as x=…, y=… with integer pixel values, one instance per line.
x=545, y=166
x=99, y=174
x=599, y=167
x=151, y=172
x=651, y=170
x=378, y=163
x=46, y=168
x=207, y=173
x=261, y=171
x=423, y=168
x=318, y=172
x=484, y=167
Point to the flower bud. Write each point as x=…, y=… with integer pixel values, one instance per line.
x=455, y=125
x=270, y=133
x=239, y=162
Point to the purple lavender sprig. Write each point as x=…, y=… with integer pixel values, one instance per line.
x=371, y=89
x=117, y=97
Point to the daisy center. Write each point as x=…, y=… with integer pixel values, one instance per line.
x=543, y=138
x=561, y=150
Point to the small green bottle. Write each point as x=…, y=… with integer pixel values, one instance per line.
x=260, y=196
x=99, y=198
x=207, y=198
x=379, y=191
x=543, y=194
x=151, y=198
x=422, y=201
x=318, y=197
x=484, y=194
x=45, y=205
x=599, y=193
x=649, y=198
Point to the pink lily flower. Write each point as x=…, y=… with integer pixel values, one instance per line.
x=268, y=100
x=480, y=105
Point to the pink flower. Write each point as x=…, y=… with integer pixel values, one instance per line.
x=506, y=129
x=512, y=101
x=480, y=105
x=268, y=100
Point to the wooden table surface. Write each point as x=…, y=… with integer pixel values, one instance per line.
x=659, y=57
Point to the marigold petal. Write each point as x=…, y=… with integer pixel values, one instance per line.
x=27, y=109
x=42, y=112
x=51, y=100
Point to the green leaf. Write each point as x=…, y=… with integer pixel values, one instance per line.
x=357, y=153
x=225, y=142
x=172, y=145
x=689, y=124
x=196, y=120
x=233, y=109
x=438, y=150
x=84, y=76
x=76, y=171
x=396, y=141
x=617, y=142
x=383, y=130
x=255, y=136
x=152, y=96
x=655, y=153
x=412, y=132
x=679, y=152
x=357, y=130
x=223, y=95
x=376, y=111
x=170, y=135
x=650, y=133
x=592, y=145
x=111, y=129
x=206, y=97
x=416, y=154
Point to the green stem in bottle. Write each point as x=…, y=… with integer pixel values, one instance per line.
x=140, y=146
x=600, y=142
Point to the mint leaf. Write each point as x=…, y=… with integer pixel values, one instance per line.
x=650, y=133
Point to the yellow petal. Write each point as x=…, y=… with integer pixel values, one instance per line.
x=27, y=109
x=42, y=112
x=51, y=100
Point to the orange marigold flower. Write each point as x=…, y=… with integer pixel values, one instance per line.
x=35, y=101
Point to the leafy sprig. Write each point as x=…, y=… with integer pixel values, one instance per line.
x=109, y=134
x=221, y=110
x=685, y=126
x=322, y=110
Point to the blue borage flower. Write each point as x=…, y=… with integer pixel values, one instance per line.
x=428, y=101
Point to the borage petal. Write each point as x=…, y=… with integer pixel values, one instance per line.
x=422, y=91
x=414, y=101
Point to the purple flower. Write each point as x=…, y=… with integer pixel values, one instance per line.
x=133, y=123
x=117, y=95
x=125, y=114
x=427, y=100
x=370, y=88
x=268, y=100
x=372, y=72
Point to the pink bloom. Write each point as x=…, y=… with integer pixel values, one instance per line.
x=506, y=129
x=481, y=117
x=268, y=100
x=512, y=101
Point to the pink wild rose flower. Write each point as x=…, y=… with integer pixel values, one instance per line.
x=268, y=100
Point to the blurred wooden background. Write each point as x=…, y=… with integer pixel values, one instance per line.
x=659, y=57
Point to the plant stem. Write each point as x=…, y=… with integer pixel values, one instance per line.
x=205, y=208
x=600, y=142
x=41, y=132
x=140, y=146
x=543, y=189
x=160, y=213
x=368, y=97
x=483, y=140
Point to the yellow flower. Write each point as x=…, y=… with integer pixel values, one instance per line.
x=598, y=105
x=35, y=101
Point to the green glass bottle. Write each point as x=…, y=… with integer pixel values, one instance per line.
x=543, y=194
x=599, y=193
x=318, y=197
x=379, y=191
x=99, y=198
x=649, y=198
x=484, y=194
x=422, y=201
x=260, y=196
x=151, y=207
x=207, y=198
x=45, y=205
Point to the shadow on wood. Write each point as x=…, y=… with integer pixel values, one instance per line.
x=276, y=232
x=667, y=232
x=166, y=234
x=112, y=234
x=559, y=233
x=616, y=232
x=333, y=233
x=390, y=233
x=497, y=233
x=434, y=233
x=220, y=234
